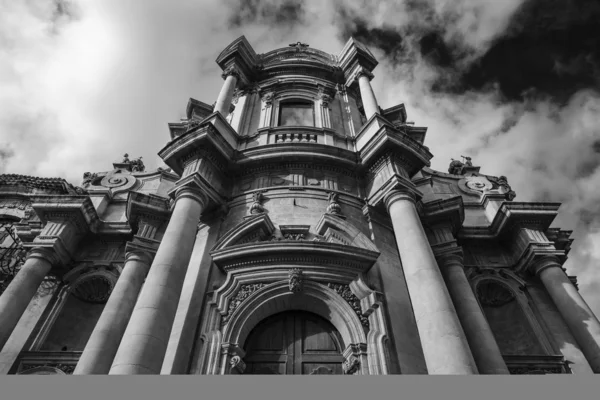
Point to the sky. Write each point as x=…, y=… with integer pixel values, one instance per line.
x=515, y=84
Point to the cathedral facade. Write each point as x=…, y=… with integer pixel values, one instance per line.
x=298, y=229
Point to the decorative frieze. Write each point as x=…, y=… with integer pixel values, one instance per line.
x=351, y=299
x=242, y=294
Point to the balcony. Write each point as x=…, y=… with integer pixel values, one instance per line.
x=296, y=134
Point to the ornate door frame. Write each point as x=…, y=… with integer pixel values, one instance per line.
x=247, y=297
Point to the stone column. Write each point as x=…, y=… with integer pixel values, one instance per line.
x=225, y=96
x=142, y=349
x=577, y=314
x=22, y=288
x=444, y=343
x=100, y=350
x=481, y=339
x=366, y=93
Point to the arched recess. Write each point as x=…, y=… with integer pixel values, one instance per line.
x=294, y=343
x=229, y=320
x=506, y=306
x=78, y=304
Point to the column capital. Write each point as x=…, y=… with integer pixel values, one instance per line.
x=543, y=263
x=232, y=70
x=362, y=71
x=192, y=193
x=397, y=194
x=44, y=253
x=139, y=255
x=450, y=259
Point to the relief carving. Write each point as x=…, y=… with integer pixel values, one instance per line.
x=256, y=207
x=242, y=294
x=351, y=299
x=296, y=280
x=238, y=364
x=334, y=207
x=478, y=183
x=351, y=365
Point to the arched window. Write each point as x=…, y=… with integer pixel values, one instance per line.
x=296, y=113
x=508, y=321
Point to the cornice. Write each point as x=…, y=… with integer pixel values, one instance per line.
x=33, y=185
x=394, y=183
x=282, y=252
x=79, y=209
x=537, y=216
x=197, y=185
x=149, y=206
x=214, y=131
x=378, y=136
x=449, y=210
x=297, y=152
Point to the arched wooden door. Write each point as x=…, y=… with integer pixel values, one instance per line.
x=294, y=343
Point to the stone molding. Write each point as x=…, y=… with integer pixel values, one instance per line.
x=33, y=185
x=268, y=293
x=544, y=262
x=397, y=194
x=444, y=211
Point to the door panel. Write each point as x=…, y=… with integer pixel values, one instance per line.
x=294, y=343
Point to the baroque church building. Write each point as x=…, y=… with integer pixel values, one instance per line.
x=298, y=229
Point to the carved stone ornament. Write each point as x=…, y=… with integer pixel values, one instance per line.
x=231, y=70
x=296, y=280
x=299, y=46
x=242, y=294
x=493, y=294
x=88, y=178
x=351, y=299
x=478, y=183
x=238, y=364
x=455, y=167
x=267, y=98
x=325, y=98
x=351, y=365
x=256, y=207
x=334, y=207
x=508, y=192
x=47, y=369
x=95, y=289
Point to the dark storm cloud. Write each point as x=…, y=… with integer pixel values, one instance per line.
x=353, y=25
x=285, y=13
x=550, y=48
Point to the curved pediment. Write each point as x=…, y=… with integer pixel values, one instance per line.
x=256, y=241
x=253, y=229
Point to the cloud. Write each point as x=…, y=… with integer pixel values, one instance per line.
x=511, y=83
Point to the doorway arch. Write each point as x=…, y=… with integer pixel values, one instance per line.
x=294, y=343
